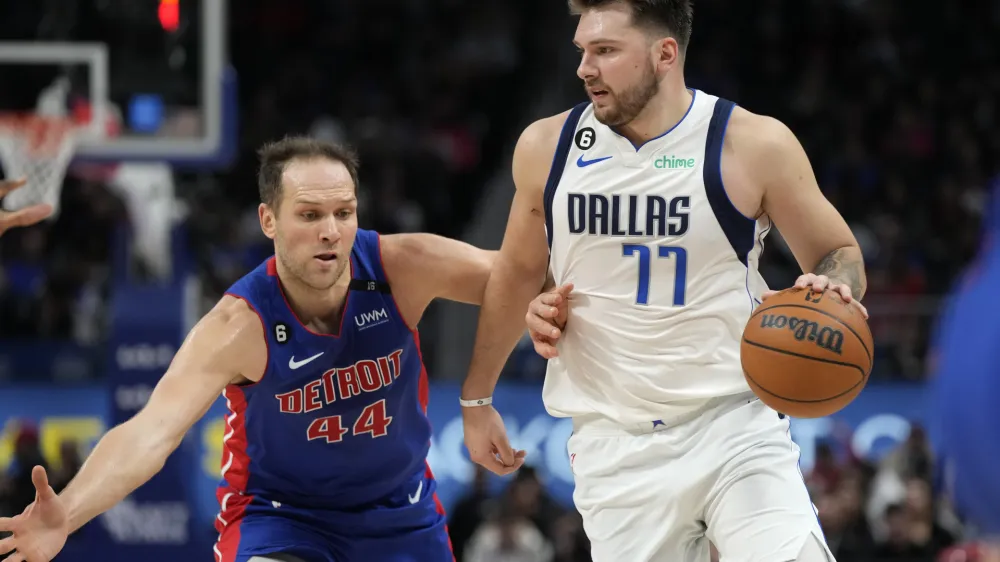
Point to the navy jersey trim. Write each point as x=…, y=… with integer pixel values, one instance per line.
x=739, y=229
x=637, y=147
x=559, y=164
x=372, y=278
x=370, y=286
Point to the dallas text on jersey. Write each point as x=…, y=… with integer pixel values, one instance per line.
x=599, y=214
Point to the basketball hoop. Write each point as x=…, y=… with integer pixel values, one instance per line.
x=39, y=149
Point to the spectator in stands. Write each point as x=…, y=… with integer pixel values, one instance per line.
x=509, y=537
x=825, y=475
x=19, y=491
x=70, y=462
x=913, y=457
x=470, y=512
x=529, y=497
x=569, y=540
x=898, y=545
x=926, y=530
x=841, y=514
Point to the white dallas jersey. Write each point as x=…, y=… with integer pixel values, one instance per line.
x=664, y=268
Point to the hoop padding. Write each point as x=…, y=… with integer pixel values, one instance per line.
x=39, y=149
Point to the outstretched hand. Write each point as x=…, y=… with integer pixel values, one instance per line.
x=24, y=217
x=40, y=532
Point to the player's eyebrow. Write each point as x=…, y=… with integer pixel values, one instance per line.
x=598, y=41
x=352, y=198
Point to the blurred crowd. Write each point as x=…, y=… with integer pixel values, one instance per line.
x=884, y=512
x=869, y=512
x=54, y=276
x=898, y=109
x=429, y=111
x=903, y=141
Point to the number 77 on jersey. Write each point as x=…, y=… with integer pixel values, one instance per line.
x=644, y=252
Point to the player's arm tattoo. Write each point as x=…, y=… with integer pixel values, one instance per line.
x=845, y=266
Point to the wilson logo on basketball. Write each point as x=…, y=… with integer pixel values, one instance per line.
x=824, y=337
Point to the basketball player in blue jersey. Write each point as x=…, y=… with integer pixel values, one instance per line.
x=652, y=201
x=317, y=355
x=967, y=387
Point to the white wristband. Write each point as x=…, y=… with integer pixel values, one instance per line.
x=474, y=403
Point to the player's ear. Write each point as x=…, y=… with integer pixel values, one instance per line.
x=267, y=220
x=666, y=53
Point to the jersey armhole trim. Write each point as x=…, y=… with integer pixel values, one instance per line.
x=267, y=344
x=385, y=276
x=559, y=164
x=372, y=241
x=423, y=388
x=739, y=229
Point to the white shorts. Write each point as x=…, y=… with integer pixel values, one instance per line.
x=728, y=474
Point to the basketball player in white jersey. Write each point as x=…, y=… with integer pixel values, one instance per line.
x=653, y=201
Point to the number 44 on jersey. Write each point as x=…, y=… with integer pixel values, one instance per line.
x=341, y=384
x=373, y=419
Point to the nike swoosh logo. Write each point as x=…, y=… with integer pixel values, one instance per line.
x=416, y=497
x=293, y=364
x=584, y=163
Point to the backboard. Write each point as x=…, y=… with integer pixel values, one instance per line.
x=150, y=76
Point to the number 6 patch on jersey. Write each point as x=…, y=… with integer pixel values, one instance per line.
x=281, y=333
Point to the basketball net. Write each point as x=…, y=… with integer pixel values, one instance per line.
x=39, y=149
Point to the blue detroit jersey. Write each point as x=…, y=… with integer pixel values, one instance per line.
x=966, y=422
x=337, y=421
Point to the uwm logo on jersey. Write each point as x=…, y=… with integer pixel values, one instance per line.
x=365, y=376
x=371, y=319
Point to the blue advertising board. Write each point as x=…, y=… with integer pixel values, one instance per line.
x=878, y=419
x=147, y=328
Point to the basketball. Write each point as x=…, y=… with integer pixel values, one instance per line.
x=806, y=354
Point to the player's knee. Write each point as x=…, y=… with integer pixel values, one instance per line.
x=814, y=551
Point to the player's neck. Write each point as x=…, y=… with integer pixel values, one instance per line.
x=319, y=310
x=661, y=114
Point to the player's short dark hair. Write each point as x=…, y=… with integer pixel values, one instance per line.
x=275, y=156
x=675, y=17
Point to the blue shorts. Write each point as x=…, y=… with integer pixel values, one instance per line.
x=393, y=531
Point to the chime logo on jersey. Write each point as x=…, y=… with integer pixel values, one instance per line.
x=674, y=163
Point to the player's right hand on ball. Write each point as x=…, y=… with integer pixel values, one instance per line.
x=41, y=531
x=24, y=217
x=486, y=440
x=546, y=319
